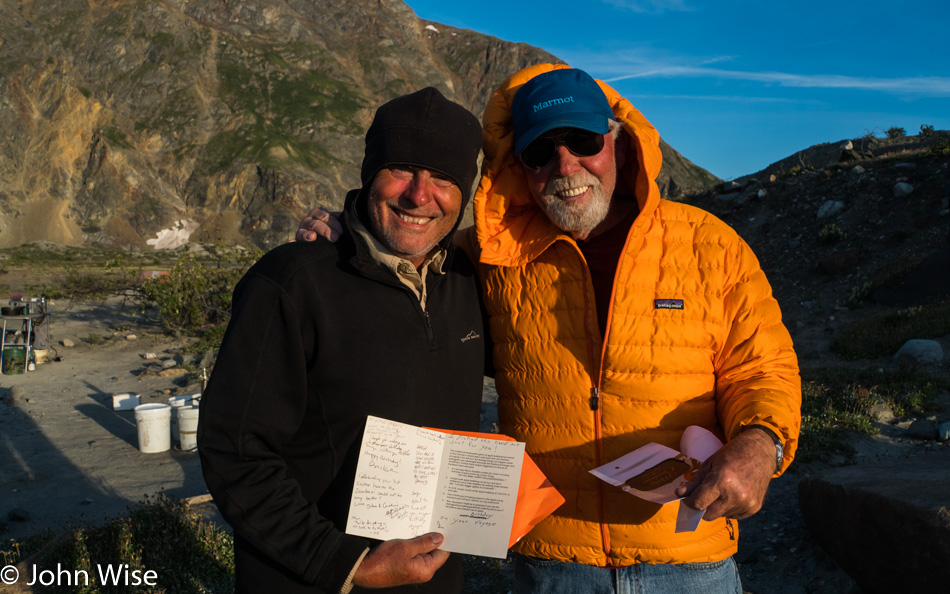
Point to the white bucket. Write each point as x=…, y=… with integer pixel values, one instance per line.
x=151, y=421
x=126, y=401
x=177, y=402
x=188, y=428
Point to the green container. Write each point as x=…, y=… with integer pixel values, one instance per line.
x=14, y=360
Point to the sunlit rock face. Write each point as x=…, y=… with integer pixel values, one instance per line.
x=119, y=119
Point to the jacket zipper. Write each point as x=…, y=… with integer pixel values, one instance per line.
x=595, y=389
x=430, y=335
x=594, y=401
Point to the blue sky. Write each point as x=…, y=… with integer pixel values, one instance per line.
x=737, y=85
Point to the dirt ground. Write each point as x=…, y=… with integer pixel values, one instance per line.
x=66, y=457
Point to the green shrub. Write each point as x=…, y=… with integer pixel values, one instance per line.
x=195, y=294
x=97, y=286
x=209, y=338
x=895, y=132
x=941, y=148
x=116, y=137
x=826, y=412
x=837, y=402
x=187, y=554
x=884, y=334
x=830, y=234
x=926, y=130
x=859, y=293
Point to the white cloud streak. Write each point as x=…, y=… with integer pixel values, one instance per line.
x=728, y=98
x=931, y=86
x=651, y=6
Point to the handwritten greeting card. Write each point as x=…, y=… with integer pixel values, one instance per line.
x=411, y=480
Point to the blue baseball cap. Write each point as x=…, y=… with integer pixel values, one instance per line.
x=562, y=98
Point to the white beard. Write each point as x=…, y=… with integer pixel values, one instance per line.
x=576, y=219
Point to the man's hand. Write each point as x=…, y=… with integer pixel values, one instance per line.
x=397, y=562
x=733, y=481
x=319, y=223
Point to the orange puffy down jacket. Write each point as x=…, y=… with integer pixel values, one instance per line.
x=723, y=361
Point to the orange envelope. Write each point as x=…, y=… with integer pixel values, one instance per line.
x=537, y=497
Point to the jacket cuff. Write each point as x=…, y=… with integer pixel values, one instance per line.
x=332, y=576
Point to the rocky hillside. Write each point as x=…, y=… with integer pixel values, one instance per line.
x=842, y=239
x=139, y=122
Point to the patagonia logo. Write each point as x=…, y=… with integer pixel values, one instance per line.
x=668, y=304
x=562, y=100
x=471, y=336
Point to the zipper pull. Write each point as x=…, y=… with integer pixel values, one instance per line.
x=594, y=398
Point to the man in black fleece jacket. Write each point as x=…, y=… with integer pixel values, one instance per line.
x=387, y=323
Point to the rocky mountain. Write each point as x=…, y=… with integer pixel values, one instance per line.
x=149, y=122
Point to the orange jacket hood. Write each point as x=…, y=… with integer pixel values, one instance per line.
x=510, y=226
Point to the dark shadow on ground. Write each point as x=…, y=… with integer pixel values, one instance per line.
x=41, y=488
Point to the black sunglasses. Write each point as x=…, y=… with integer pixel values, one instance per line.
x=542, y=149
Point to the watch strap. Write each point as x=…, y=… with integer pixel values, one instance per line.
x=779, y=446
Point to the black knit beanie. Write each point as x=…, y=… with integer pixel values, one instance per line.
x=426, y=130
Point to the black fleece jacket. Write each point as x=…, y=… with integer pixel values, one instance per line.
x=321, y=337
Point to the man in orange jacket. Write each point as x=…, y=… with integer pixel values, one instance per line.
x=619, y=319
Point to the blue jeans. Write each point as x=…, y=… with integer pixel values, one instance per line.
x=541, y=576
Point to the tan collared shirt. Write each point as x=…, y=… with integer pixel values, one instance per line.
x=403, y=269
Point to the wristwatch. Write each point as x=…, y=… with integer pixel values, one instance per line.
x=779, y=446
